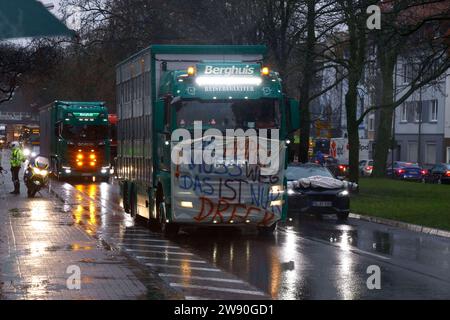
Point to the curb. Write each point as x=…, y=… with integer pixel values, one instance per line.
x=403, y=225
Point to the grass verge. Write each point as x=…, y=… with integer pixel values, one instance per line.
x=417, y=203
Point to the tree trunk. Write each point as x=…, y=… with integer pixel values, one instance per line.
x=384, y=131
x=351, y=103
x=308, y=74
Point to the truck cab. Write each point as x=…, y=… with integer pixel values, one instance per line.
x=198, y=97
x=75, y=138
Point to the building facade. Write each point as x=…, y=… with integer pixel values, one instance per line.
x=422, y=122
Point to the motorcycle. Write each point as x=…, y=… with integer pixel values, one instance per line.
x=36, y=175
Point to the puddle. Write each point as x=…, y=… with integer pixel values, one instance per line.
x=19, y=212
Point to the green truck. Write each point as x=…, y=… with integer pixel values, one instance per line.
x=202, y=91
x=74, y=136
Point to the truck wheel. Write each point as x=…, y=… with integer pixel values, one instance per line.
x=169, y=229
x=126, y=205
x=267, y=230
x=133, y=207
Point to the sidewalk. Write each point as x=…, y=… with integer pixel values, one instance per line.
x=40, y=243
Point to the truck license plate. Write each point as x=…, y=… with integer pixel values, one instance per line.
x=322, y=203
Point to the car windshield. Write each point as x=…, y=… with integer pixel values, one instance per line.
x=85, y=132
x=245, y=114
x=299, y=172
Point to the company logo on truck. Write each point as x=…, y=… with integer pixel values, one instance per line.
x=229, y=70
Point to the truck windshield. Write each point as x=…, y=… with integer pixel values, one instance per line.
x=245, y=114
x=85, y=132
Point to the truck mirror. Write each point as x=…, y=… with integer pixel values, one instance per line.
x=159, y=116
x=294, y=114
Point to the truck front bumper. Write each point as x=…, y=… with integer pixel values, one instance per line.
x=71, y=172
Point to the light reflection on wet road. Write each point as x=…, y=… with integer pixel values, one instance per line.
x=305, y=259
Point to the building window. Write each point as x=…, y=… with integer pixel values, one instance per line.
x=434, y=111
x=404, y=113
x=410, y=72
x=430, y=155
x=371, y=124
x=417, y=111
x=412, y=151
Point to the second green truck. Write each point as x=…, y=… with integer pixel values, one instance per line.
x=74, y=136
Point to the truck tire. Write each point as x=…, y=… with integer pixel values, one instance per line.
x=168, y=229
x=125, y=198
x=133, y=207
x=267, y=230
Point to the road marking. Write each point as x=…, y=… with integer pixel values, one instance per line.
x=192, y=286
x=346, y=249
x=200, y=278
x=181, y=267
x=197, y=298
x=162, y=252
x=171, y=259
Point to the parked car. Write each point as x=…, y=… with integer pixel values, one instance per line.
x=339, y=170
x=439, y=173
x=366, y=167
x=315, y=200
x=406, y=171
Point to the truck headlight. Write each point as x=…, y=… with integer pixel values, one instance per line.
x=276, y=203
x=276, y=189
x=186, y=204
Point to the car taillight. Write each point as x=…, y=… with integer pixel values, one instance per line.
x=400, y=171
x=447, y=173
x=368, y=168
x=423, y=172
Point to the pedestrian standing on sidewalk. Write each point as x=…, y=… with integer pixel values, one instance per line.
x=16, y=160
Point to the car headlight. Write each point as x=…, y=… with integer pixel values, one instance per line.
x=290, y=191
x=343, y=193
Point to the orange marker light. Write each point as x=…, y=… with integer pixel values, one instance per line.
x=191, y=71
x=92, y=156
x=92, y=163
x=79, y=156
x=80, y=164
x=265, y=71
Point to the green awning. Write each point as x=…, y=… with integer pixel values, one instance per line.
x=29, y=18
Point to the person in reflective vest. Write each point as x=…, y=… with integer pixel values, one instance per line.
x=16, y=160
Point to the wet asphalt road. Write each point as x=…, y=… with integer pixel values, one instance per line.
x=305, y=259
